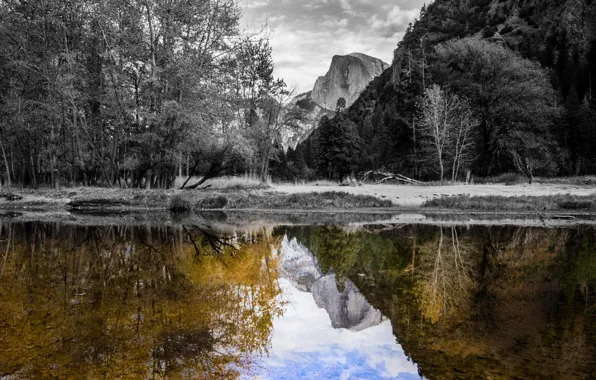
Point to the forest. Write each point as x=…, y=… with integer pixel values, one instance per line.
x=480, y=88
x=134, y=93
x=139, y=93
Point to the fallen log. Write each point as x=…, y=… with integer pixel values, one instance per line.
x=386, y=176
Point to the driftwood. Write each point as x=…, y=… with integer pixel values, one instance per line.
x=386, y=176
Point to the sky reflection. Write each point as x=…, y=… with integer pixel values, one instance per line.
x=306, y=346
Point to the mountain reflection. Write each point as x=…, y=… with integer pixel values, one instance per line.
x=474, y=303
x=328, y=333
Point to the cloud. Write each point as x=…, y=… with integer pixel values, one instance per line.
x=255, y=3
x=306, y=35
x=394, y=21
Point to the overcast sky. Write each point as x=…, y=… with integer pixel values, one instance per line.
x=305, y=34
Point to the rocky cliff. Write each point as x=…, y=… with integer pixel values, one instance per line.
x=348, y=75
x=560, y=35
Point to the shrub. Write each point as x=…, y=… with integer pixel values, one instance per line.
x=576, y=204
x=505, y=178
x=213, y=203
x=179, y=204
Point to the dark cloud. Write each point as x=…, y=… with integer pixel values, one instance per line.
x=306, y=34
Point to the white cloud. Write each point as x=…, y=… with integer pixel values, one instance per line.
x=394, y=21
x=255, y=3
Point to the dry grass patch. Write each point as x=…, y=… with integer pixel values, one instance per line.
x=522, y=203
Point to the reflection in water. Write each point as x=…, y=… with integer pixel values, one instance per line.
x=106, y=302
x=346, y=309
x=297, y=302
x=495, y=303
x=328, y=334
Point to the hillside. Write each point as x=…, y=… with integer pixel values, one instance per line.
x=557, y=38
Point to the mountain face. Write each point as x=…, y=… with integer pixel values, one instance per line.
x=346, y=78
x=348, y=309
x=348, y=75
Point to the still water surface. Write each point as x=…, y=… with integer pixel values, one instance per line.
x=291, y=302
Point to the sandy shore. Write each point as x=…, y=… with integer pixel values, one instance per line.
x=415, y=196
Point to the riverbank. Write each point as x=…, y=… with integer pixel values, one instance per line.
x=536, y=198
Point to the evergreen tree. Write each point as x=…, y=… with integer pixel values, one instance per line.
x=339, y=147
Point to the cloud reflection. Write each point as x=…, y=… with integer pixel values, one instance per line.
x=306, y=346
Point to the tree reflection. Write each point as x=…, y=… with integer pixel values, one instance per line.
x=444, y=278
x=122, y=301
x=501, y=302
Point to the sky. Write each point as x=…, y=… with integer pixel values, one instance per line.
x=306, y=34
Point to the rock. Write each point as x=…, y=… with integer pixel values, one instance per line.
x=347, y=77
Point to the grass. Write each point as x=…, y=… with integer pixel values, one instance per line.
x=518, y=179
x=326, y=200
x=212, y=203
x=509, y=179
x=523, y=203
x=321, y=182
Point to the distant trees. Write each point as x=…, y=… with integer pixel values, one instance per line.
x=445, y=126
x=466, y=104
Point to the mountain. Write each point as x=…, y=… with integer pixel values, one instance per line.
x=348, y=75
x=558, y=36
x=311, y=114
x=348, y=309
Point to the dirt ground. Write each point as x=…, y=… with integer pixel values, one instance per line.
x=415, y=196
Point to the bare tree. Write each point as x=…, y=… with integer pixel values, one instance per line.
x=446, y=124
x=463, y=143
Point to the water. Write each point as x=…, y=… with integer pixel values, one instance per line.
x=285, y=302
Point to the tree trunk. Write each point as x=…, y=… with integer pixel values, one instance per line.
x=6, y=164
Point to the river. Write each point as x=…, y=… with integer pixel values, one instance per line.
x=286, y=301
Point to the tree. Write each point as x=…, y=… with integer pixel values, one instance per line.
x=115, y=92
x=264, y=110
x=211, y=317
x=339, y=145
x=445, y=125
x=511, y=96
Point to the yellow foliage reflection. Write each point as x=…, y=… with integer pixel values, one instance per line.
x=130, y=302
x=445, y=275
